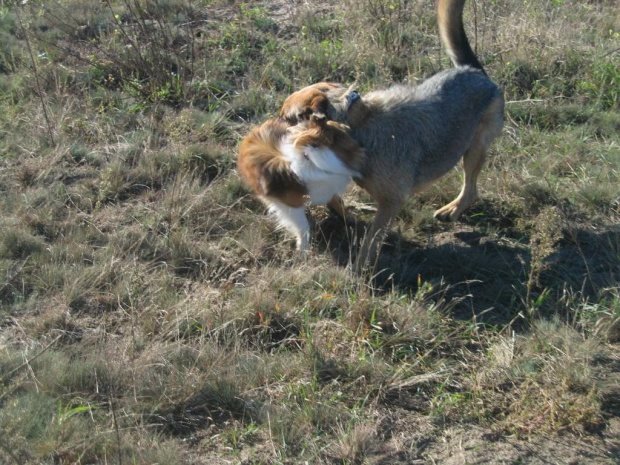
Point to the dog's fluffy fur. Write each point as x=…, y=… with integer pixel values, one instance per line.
x=289, y=167
x=414, y=135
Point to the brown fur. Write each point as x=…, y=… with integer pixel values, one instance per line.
x=264, y=168
x=312, y=100
x=270, y=175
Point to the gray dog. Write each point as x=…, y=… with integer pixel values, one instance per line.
x=414, y=135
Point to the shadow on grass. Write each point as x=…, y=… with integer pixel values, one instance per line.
x=216, y=403
x=487, y=272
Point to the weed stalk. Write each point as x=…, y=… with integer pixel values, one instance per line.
x=36, y=77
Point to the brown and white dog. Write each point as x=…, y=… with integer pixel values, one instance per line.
x=291, y=167
x=413, y=135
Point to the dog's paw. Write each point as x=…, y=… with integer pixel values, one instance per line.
x=449, y=213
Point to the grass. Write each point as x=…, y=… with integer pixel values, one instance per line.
x=152, y=313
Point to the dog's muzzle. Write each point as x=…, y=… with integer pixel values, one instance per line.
x=352, y=97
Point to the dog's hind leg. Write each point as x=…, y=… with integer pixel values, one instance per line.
x=489, y=128
x=472, y=164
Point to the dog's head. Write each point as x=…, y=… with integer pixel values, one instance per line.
x=318, y=132
x=324, y=100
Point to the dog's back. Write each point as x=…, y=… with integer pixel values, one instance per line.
x=419, y=133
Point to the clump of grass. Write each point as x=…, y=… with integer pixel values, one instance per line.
x=354, y=443
x=547, y=230
x=545, y=380
x=19, y=244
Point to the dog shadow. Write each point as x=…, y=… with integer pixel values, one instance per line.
x=484, y=274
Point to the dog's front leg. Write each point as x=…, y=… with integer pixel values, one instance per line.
x=293, y=219
x=371, y=245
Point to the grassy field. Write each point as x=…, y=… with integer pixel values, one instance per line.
x=150, y=312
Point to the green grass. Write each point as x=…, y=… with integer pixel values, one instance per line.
x=150, y=311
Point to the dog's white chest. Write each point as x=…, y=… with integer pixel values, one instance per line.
x=322, y=191
x=320, y=169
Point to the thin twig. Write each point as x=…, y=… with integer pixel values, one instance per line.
x=610, y=52
x=527, y=100
x=27, y=362
x=474, y=5
x=12, y=273
x=117, y=429
x=36, y=77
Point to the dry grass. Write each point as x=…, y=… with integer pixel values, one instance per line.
x=152, y=313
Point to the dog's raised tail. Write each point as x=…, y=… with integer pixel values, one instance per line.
x=450, y=19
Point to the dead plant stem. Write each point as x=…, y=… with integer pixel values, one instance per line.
x=36, y=77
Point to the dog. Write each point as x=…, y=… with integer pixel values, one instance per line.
x=413, y=135
x=292, y=166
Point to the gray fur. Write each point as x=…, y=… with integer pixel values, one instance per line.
x=413, y=135
x=420, y=133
